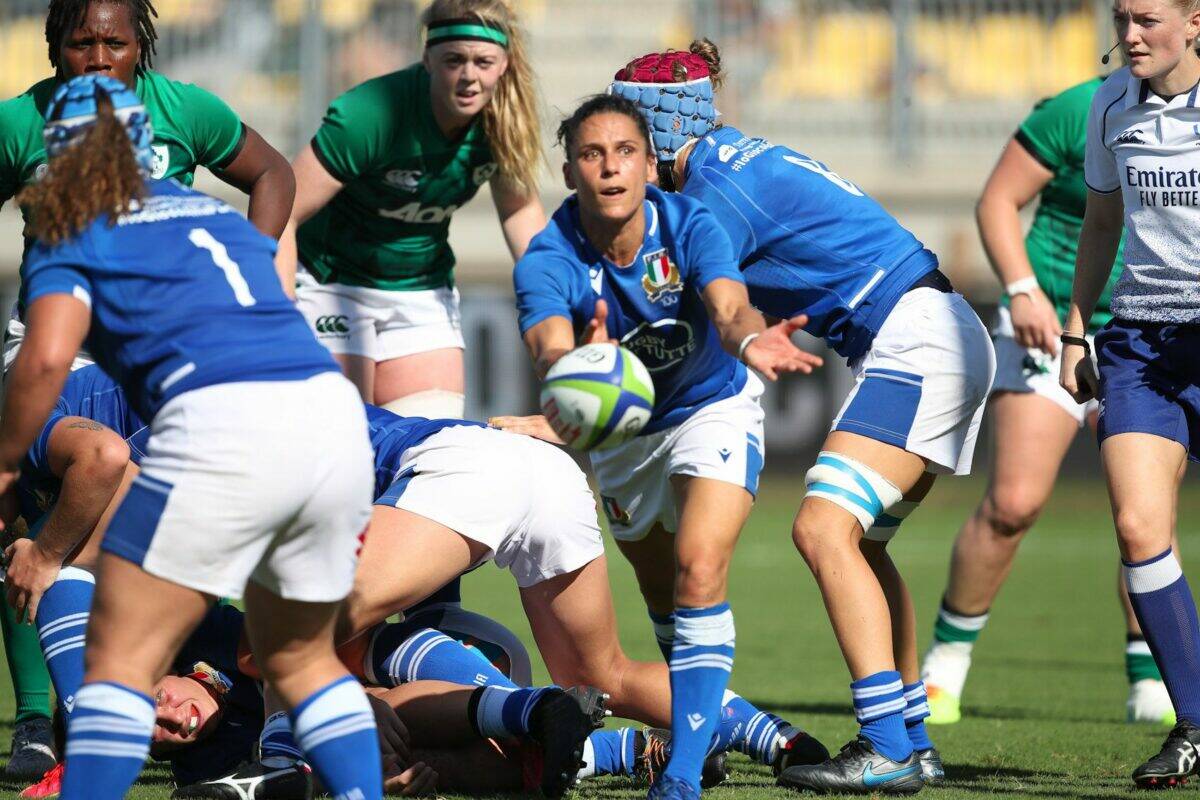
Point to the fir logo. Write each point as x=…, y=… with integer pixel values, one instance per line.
x=726, y=152
x=662, y=280
x=484, y=174
x=332, y=325
x=1130, y=137
x=161, y=162
x=406, y=180
x=612, y=509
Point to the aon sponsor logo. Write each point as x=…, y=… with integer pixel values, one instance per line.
x=415, y=212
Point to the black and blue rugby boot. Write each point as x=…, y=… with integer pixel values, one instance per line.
x=1175, y=762
x=857, y=769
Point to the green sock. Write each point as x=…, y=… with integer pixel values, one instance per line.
x=27, y=668
x=959, y=628
x=1139, y=663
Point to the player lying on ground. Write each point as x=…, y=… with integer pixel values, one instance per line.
x=192, y=129
x=810, y=242
x=1035, y=419
x=620, y=261
x=175, y=293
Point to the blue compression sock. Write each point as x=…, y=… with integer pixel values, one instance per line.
x=1162, y=601
x=748, y=730
x=62, y=619
x=664, y=632
x=399, y=656
x=879, y=706
x=108, y=739
x=609, y=753
x=335, y=728
x=701, y=661
x=499, y=712
x=916, y=710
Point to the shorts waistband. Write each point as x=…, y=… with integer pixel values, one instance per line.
x=933, y=280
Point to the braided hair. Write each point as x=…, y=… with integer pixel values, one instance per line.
x=64, y=16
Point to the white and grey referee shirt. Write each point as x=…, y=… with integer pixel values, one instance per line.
x=1149, y=147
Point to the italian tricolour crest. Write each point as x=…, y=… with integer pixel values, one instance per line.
x=662, y=277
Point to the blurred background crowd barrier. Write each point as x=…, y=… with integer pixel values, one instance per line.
x=912, y=99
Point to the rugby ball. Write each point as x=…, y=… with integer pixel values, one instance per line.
x=597, y=396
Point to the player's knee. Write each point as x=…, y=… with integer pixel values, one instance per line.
x=1010, y=512
x=1137, y=534
x=701, y=581
x=852, y=496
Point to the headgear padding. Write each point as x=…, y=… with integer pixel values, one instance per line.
x=675, y=111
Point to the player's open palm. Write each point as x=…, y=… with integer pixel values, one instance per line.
x=1035, y=322
x=29, y=574
x=536, y=426
x=773, y=351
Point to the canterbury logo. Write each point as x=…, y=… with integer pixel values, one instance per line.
x=333, y=323
x=1129, y=137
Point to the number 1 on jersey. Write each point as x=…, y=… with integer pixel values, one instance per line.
x=220, y=256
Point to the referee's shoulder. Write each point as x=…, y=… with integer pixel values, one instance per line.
x=1113, y=87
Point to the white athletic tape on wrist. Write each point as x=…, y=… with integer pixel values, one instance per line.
x=852, y=485
x=431, y=403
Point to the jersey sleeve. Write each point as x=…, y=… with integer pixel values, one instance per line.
x=38, y=458
x=1051, y=129
x=709, y=252
x=542, y=287
x=356, y=131
x=1099, y=162
x=218, y=132
x=55, y=270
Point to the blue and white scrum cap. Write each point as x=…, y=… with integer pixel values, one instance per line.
x=676, y=111
x=73, y=111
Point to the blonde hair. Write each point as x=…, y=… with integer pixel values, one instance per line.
x=512, y=120
x=96, y=176
x=706, y=49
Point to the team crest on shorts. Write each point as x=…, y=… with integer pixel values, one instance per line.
x=161, y=162
x=612, y=509
x=662, y=281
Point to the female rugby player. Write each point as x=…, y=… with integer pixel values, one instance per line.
x=175, y=293
x=191, y=128
x=1140, y=167
x=810, y=242
x=391, y=163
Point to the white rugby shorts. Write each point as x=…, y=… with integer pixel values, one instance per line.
x=1033, y=371
x=923, y=384
x=722, y=441
x=267, y=481
x=379, y=324
x=526, y=500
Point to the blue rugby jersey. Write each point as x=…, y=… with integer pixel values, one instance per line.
x=808, y=241
x=90, y=394
x=655, y=307
x=183, y=293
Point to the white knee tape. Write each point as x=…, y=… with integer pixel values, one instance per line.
x=852, y=485
x=431, y=403
x=887, y=524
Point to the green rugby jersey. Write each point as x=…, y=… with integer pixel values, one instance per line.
x=389, y=226
x=192, y=127
x=1055, y=134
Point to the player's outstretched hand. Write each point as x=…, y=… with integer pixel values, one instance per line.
x=393, y=734
x=1035, y=322
x=596, y=331
x=416, y=781
x=1077, y=374
x=774, y=352
x=30, y=574
x=536, y=426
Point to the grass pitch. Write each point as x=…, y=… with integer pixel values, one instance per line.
x=1043, y=708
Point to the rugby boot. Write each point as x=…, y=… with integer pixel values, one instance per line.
x=49, y=786
x=561, y=723
x=1174, y=762
x=668, y=788
x=656, y=752
x=932, y=770
x=272, y=779
x=857, y=769
x=800, y=749
x=32, y=750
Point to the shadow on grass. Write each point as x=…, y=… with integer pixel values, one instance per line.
x=993, y=780
x=1014, y=713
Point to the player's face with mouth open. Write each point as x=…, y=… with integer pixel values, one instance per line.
x=1153, y=34
x=464, y=75
x=186, y=713
x=105, y=43
x=609, y=166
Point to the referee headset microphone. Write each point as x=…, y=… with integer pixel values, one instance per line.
x=1104, y=59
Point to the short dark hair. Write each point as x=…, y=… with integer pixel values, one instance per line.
x=568, y=130
x=65, y=16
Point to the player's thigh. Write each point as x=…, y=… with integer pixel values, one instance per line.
x=138, y=622
x=1143, y=472
x=573, y=621
x=653, y=560
x=419, y=372
x=359, y=370
x=287, y=635
x=1032, y=436
x=405, y=558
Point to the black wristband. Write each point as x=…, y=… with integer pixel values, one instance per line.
x=1071, y=338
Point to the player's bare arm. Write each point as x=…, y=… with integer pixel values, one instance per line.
x=57, y=325
x=314, y=188
x=262, y=172
x=521, y=215
x=745, y=335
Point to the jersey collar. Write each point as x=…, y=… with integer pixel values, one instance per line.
x=1140, y=89
x=651, y=212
